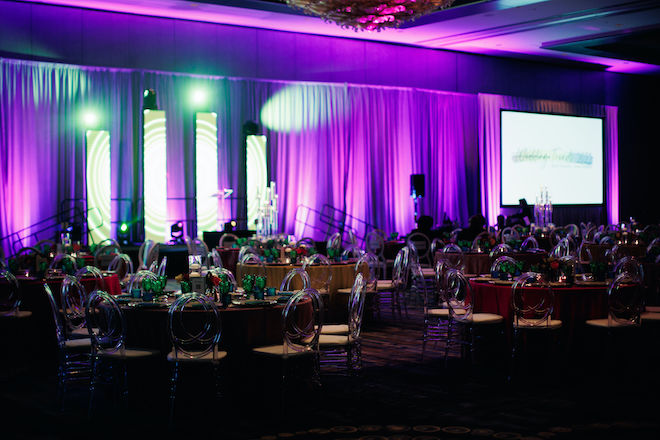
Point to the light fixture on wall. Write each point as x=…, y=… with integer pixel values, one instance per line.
x=369, y=15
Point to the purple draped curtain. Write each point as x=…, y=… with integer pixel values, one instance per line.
x=489, y=148
x=348, y=147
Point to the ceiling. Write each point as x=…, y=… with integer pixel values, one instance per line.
x=616, y=35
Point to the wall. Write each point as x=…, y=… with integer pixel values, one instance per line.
x=87, y=37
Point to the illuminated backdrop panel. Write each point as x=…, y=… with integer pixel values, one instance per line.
x=257, y=175
x=97, y=144
x=206, y=171
x=155, y=176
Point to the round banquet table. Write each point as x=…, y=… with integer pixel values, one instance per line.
x=343, y=275
x=573, y=305
x=479, y=263
x=242, y=327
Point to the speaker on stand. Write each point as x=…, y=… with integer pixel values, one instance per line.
x=416, y=190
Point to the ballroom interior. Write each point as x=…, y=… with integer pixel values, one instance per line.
x=329, y=218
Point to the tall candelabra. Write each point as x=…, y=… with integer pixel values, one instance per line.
x=543, y=209
x=267, y=214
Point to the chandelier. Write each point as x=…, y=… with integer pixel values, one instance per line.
x=369, y=15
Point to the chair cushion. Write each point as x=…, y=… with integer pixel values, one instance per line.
x=534, y=324
x=605, y=323
x=428, y=272
x=325, y=340
x=131, y=354
x=344, y=290
x=17, y=314
x=650, y=316
x=334, y=329
x=384, y=285
x=208, y=357
x=653, y=309
x=278, y=350
x=77, y=343
x=485, y=318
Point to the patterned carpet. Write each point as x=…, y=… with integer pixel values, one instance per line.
x=397, y=396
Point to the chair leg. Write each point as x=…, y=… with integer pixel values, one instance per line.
x=173, y=385
x=92, y=386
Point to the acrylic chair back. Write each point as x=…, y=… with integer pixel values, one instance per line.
x=356, y=307
x=257, y=267
x=368, y=266
x=73, y=298
x=10, y=299
x=625, y=300
x=318, y=269
x=401, y=268
x=122, y=265
x=530, y=244
x=453, y=255
x=143, y=253
x=93, y=272
x=227, y=240
x=285, y=286
x=302, y=320
x=459, y=295
x=223, y=271
x=631, y=266
x=105, y=323
x=139, y=277
x=375, y=243
x=194, y=326
x=59, y=260
x=532, y=300
x=102, y=256
x=60, y=332
x=334, y=241
x=422, y=244
x=500, y=249
x=352, y=252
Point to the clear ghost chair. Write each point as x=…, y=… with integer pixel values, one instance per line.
x=530, y=244
x=453, y=236
x=500, y=249
x=352, y=238
x=302, y=322
x=107, y=330
x=26, y=258
x=368, y=266
x=509, y=234
x=285, y=286
x=320, y=274
x=498, y=266
x=653, y=249
x=245, y=250
x=73, y=297
x=461, y=303
x=453, y=255
x=122, y=265
x=334, y=241
x=10, y=297
x=138, y=277
x=481, y=242
x=227, y=240
x=143, y=253
x=375, y=243
x=532, y=302
x=401, y=278
x=351, y=253
x=73, y=354
x=104, y=254
x=93, y=272
x=162, y=267
x=422, y=246
x=307, y=241
x=339, y=349
x=215, y=258
x=590, y=235
x=109, y=241
x=194, y=328
x=572, y=230
x=436, y=245
x=556, y=235
x=563, y=249
x=437, y=322
x=606, y=239
x=631, y=266
x=625, y=301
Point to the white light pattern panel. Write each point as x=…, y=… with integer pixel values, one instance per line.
x=257, y=175
x=97, y=144
x=155, y=176
x=206, y=158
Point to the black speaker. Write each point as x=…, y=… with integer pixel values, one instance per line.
x=417, y=185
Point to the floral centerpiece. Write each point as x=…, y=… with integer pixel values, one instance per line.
x=394, y=236
x=465, y=245
x=334, y=254
x=254, y=285
x=297, y=254
x=553, y=268
x=507, y=270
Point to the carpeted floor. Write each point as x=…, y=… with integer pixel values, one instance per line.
x=397, y=396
